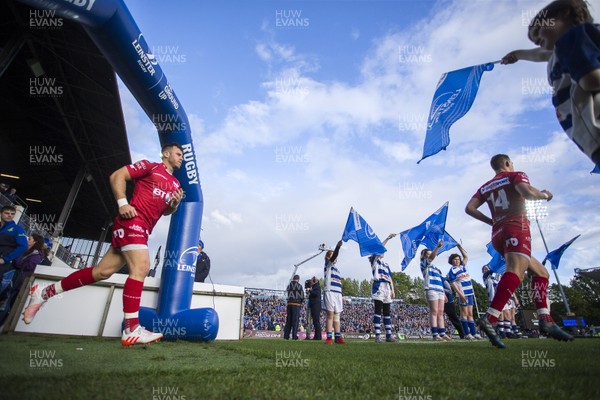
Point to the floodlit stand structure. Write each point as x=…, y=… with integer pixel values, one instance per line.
x=114, y=32
x=536, y=211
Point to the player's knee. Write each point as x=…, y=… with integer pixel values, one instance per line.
x=139, y=271
x=336, y=317
x=102, y=275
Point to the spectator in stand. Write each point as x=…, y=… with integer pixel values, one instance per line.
x=13, y=239
x=11, y=195
x=3, y=188
x=262, y=312
x=26, y=263
x=202, y=264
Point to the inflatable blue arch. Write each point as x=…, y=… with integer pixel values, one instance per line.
x=112, y=28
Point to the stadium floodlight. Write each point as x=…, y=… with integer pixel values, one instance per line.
x=536, y=210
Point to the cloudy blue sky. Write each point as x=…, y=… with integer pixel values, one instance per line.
x=302, y=109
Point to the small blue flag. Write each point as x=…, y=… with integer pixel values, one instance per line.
x=596, y=170
x=555, y=255
x=430, y=242
x=358, y=230
x=454, y=96
x=429, y=233
x=497, y=263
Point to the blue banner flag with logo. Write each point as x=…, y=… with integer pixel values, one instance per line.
x=555, y=255
x=429, y=233
x=432, y=240
x=454, y=96
x=497, y=263
x=358, y=230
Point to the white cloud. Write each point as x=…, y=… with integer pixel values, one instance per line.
x=228, y=219
x=262, y=215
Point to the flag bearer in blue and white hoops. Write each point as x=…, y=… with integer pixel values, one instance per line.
x=382, y=293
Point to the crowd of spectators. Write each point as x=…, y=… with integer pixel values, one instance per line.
x=268, y=312
x=9, y=193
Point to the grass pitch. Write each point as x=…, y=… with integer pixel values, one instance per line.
x=35, y=367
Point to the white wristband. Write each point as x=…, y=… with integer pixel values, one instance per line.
x=122, y=202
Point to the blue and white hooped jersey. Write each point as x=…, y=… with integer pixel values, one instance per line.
x=381, y=271
x=491, y=280
x=432, y=276
x=461, y=275
x=333, y=281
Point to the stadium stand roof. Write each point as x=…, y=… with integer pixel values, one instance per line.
x=593, y=273
x=60, y=111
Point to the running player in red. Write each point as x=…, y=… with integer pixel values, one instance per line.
x=506, y=194
x=156, y=192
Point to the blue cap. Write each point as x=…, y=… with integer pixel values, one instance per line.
x=201, y=243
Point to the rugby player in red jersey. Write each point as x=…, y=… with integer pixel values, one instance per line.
x=505, y=195
x=156, y=192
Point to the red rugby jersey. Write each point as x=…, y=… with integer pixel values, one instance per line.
x=153, y=191
x=505, y=203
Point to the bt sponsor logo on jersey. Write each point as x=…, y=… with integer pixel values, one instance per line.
x=140, y=165
x=162, y=194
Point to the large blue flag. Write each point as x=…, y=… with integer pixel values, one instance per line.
x=454, y=96
x=497, y=263
x=429, y=233
x=358, y=230
x=555, y=255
